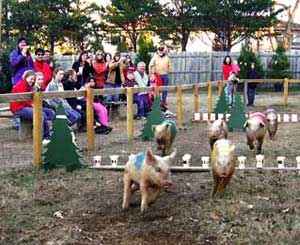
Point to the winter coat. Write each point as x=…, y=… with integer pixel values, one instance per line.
x=100, y=70
x=226, y=69
x=55, y=86
x=21, y=87
x=252, y=74
x=88, y=71
x=162, y=64
x=112, y=66
x=43, y=67
x=19, y=64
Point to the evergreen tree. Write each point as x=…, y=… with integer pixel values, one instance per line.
x=237, y=117
x=222, y=104
x=155, y=117
x=247, y=56
x=145, y=47
x=61, y=151
x=279, y=66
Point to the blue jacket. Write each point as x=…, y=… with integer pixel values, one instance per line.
x=19, y=64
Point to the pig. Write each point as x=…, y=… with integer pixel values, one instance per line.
x=146, y=170
x=223, y=160
x=217, y=130
x=164, y=135
x=256, y=127
x=272, y=122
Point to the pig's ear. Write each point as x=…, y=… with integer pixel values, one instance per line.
x=208, y=124
x=153, y=128
x=170, y=159
x=150, y=158
x=246, y=124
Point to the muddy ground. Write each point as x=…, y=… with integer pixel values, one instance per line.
x=257, y=207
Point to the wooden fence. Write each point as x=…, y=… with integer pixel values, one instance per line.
x=37, y=98
x=189, y=67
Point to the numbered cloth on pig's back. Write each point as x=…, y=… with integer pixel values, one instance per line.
x=173, y=126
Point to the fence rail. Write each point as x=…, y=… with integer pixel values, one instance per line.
x=37, y=98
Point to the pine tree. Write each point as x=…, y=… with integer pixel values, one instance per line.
x=145, y=47
x=279, y=65
x=155, y=117
x=222, y=104
x=61, y=151
x=247, y=56
x=237, y=117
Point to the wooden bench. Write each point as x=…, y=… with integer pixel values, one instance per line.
x=26, y=126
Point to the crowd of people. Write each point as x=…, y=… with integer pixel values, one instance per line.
x=101, y=70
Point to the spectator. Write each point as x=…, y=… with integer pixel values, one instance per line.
x=41, y=66
x=20, y=60
x=163, y=66
x=159, y=81
x=129, y=64
x=251, y=74
x=100, y=69
x=227, y=67
x=25, y=108
x=115, y=76
x=70, y=83
x=49, y=60
x=102, y=126
x=235, y=67
x=140, y=75
x=83, y=68
x=56, y=85
x=153, y=82
x=141, y=101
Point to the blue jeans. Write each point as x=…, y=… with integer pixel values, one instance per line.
x=73, y=116
x=112, y=97
x=251, y=95
x=142, y=104
x=48, y=114
x=229, y=93
x=165, y=79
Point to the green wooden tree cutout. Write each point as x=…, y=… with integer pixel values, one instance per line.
x=222, y=104
x=61, y=150
x=155, y=117
x=237, y=118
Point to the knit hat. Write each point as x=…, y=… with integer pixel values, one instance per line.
x=23, y=39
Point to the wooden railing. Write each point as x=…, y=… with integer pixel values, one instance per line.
x=37, y=98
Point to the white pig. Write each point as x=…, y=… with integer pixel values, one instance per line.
x=272, y=122
x=164, y=135
x=256, y=130
x=217, y=130
x=145, y=170
x=223, y=160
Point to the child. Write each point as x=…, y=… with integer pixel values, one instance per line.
x=235, y=67
x=153, y=82
x=99, y=109
x=141, y=101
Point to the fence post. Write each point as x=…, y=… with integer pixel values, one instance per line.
x=220, y=86
x=286, y=91
x=179, y=106
x=210, y=98
x=196, y=98
x=129, y=114
x=90, y=119
x=37, y=128
x=245, y=93
x=156, y=91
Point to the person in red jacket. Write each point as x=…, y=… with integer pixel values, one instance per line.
x=100, y=69
x=40, y=65
x=24, y=109
x=227, y=67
